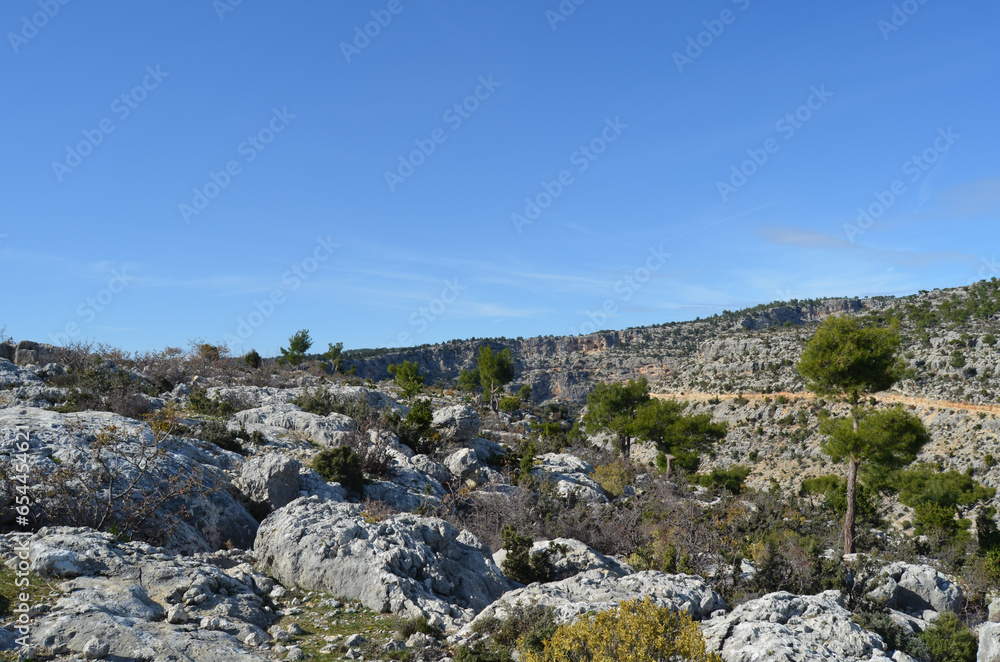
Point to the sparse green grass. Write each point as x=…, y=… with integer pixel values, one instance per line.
x=42, y=591
x=323, y=625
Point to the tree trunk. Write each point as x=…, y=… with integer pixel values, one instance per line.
x=852, y=487
x=626, y=444
x=852, y=482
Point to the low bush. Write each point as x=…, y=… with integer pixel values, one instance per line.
x=201, y=403
x=526, y=628
x=949, y=640
x=730, y=479
x=633, y=631
x=613, y=478
x=510, y=404
x=217, y=433
x=895, y=636
x=341, y=465
x=521, y=564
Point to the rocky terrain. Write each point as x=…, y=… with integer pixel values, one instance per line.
x=174, y=506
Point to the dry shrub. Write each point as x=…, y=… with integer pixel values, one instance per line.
x=125, y=486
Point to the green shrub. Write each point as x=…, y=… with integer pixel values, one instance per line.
x=469, y=381
x=524, y=392
x=895, y=636
x=521, y=564
x=252, y=359
x=217, y=433
x=417, y=624
x=201, y=403
x=415, y=430
x=949, y=640
x=298, y=345
x=936, y=496
x=340, y=465
x=527, y=627
x=613, y=478
x=408, y=378
x=730, y=479
x=510, y=403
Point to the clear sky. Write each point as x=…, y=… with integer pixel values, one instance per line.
x=389, y=173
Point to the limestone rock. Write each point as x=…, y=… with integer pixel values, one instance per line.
x=570, y=557
x=216, y=518
x=407, y=565
x=329, y=430
x=112, y=598
x=270, y=481
x=599, y=590
x=456, y=423
x=782, y=626
x=571, y=475
x=921, y=587
x=989, y=643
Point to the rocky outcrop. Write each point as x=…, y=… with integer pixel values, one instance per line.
x=414, y=482
x=989, y=643
x=27, y=352
x=279, y=419
x=215, y=519
x=568, y=557
x=782, y=626
x=917, y=589
x=457, y=423
x=404, y=564
x=141, y=603
x=599, y=590
x=12, y=375
x=571, y=476
x=269, y=482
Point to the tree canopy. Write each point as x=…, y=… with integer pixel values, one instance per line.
x=408, y=377
x=627, y=411
x=496, y=369
x=298, y=345
x=849, y=359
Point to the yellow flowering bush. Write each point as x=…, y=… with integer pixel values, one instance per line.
x=633, y=631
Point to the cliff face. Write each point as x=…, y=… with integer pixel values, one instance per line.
x=748, y=351
x=567, y=367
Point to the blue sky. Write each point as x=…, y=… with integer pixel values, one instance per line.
x=235, y=172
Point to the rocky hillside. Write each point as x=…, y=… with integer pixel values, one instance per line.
x=173, y=506
x=751, y=351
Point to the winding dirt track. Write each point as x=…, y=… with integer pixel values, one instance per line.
x=806, y=395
